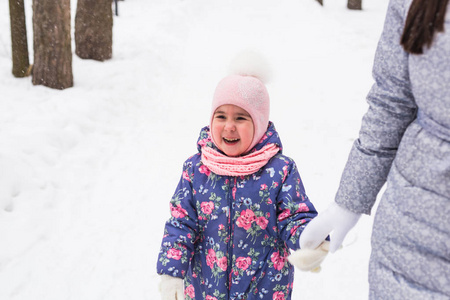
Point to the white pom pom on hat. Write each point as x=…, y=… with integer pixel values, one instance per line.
x=244, y=87
x=250, y=63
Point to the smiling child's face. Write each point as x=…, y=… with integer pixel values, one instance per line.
x=232, y=129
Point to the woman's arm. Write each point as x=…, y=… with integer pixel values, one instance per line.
x=391, y=109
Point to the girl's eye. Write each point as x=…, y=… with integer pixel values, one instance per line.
x=241, y=118
x=220, y=117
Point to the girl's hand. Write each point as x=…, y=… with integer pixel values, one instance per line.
x=171, y=288
x=309, y=259
x=334, y=218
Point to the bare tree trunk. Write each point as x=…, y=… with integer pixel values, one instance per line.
x=93, y=29
x=52, y=44
x=354, y=4
x=21, y=63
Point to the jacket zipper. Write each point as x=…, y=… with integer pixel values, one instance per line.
x=230, y=232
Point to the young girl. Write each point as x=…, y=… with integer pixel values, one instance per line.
x=238, y=208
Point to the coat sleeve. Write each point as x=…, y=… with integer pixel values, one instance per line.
x=293, y=207
x=391, y=109
x=180, y=232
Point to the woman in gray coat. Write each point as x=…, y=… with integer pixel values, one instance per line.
x=404, y=141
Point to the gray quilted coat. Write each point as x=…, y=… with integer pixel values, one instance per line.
x=404, y=142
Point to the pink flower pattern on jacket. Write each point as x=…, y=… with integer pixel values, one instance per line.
x=178, y=211
x=207, y=207
x=246, y=219
x=243, y=262
x=278, y=261
x=174, y=253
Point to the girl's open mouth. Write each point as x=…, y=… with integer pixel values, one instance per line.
x=230, y=141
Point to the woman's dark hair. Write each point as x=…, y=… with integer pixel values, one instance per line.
x=425, y=18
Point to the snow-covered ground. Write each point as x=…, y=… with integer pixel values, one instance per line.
x=86, y=174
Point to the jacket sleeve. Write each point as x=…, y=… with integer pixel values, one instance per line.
x=180, y=232
x=294, y=210
x=391, y=109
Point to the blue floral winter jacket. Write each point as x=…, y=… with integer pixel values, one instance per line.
x=229, y=237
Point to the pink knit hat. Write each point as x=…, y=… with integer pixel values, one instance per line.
x=249, y=93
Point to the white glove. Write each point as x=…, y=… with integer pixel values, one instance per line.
x=309, y=259
x=334, y=218
x=171, y=288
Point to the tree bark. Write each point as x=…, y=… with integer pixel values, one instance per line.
x=52, y=44
x=93, y=29
x=354, y=4
x=19, y=43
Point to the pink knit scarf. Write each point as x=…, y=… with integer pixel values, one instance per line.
x=237, y=166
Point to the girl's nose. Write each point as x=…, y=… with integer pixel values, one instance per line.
x=230, y=126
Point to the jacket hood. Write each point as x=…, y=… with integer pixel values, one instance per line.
x=270, y=137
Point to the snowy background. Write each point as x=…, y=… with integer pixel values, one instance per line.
x=86, y=174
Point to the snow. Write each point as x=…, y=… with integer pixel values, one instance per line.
x=86, y=173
